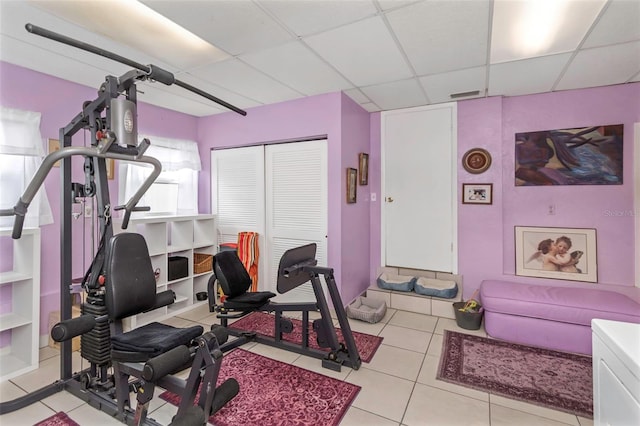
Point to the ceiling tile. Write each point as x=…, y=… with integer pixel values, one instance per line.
x=439, y=87
x=442, y=36
x=602, y=66
x=620, y=23
x=395, y=4
x=527, y=76
x=15, y=15
x=398, y=94
x=299, y=67
x=515, y=37
x=310, y=17
x=240, y=78
x=156, y=94
x=370, y=107
x=156, y=35
x=212, y=89
x=49, y=62
x=234, y=26
x=357, y=95
x=364, y=52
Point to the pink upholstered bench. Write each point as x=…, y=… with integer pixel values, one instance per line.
x=551, y=317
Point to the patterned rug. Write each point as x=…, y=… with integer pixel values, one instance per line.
x=275, y=393
x=264, y=323
x=557, y=380
x=58, y=419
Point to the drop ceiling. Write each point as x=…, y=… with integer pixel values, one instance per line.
x=384, y=54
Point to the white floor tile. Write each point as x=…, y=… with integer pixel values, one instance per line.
x=63, y=401
x=315, y=365
x=27, y=416
x=358, y=417
x=287, y=357
x=414, y=321
x=503, y=416
x=376, y=396
x=435, y=345
x=86, y=415
x=396, y=362
x=406, y=338
x=450, y=324
x=534, y=409
x=431, y=406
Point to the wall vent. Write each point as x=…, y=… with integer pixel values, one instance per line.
x=464, y=94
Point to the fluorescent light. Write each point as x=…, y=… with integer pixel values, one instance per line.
x=531, y=28
x=136, y=25
x=537, y=25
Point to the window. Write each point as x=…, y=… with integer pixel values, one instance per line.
x=21, y=153
x=175, y=191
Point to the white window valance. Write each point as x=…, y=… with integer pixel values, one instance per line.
x=175, y=191
x=20, y=133
x=174, y=154
x=21, y=153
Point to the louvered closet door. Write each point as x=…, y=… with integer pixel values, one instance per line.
x=296, y=200
x=237, y=196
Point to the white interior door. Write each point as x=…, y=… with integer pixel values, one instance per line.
x=237, y=196
x=296, y=201
x=419, y=209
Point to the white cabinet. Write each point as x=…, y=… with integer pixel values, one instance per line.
x=19, y=302
x=168, y=236
x=616, y=373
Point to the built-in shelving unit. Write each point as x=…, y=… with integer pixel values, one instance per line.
x=19, y=303
x=168, y=236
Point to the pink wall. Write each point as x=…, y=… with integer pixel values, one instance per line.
x=345, y=124
x=486, y=233
x=59, y=101
x=355, y=235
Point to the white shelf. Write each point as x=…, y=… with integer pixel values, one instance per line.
x=174, y=236
x=12, y=277
x=20, y=318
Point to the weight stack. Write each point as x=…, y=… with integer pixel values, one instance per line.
x=95, y=346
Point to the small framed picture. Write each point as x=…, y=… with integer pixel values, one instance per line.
x=558, y=253
x=352, y=184
x=477, y=193
x=363, y=168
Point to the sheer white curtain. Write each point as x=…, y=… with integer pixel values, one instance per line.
x=176, y=189
x=21, y=153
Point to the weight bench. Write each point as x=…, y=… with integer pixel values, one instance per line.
x=297, y=266
x=151, y=353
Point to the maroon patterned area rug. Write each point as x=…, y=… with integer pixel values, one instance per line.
x=264, y=323
x=552, y=379
x=58, y=419
x=276, y=393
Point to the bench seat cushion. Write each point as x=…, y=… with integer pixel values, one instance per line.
x=562, y=304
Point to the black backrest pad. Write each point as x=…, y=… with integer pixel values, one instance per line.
x=130, y=282
x=232, y=276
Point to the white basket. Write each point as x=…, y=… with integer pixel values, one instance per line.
x=369, y=310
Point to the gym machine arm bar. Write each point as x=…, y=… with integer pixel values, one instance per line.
x=153, y=72
x=20, y=209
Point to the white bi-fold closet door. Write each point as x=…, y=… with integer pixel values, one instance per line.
x=278, y=191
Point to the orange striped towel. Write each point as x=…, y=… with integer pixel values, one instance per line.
x=248, y=253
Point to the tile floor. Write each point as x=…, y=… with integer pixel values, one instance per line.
x=398, y=386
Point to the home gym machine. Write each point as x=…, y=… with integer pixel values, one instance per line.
x=111, y=119
x=297, y=266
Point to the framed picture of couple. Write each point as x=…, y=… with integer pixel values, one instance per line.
x=558, y=253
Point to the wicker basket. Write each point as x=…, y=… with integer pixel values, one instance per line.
x=202, y=263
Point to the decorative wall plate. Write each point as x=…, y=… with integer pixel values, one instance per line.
x=476, y=160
